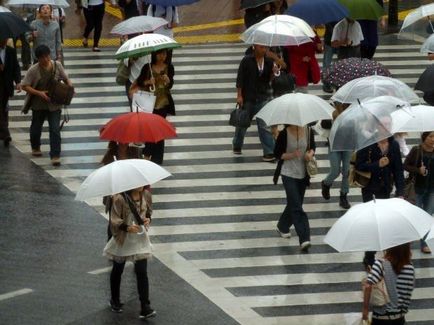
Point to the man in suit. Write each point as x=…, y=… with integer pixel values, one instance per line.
x=10, y=73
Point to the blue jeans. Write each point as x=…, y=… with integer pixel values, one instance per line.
x=294, y=213
x=336, y=158
x=328, y=56
x=425, y=201
x=38, y=118
x=265, y=136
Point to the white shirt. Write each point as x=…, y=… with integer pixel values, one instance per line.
x=137, y=66
x=167, y=13
x=352, y=31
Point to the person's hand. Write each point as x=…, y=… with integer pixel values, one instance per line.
x=59, y=57
x=166, y=79
x=146, y=222
x=422, y=170
x=134, y=229
x=44, y=95
x=306, y=59
x=297, y=153
x=309, y=155
x=18, y=88
x=240, y=100
x=383, y=162
x=276, y=69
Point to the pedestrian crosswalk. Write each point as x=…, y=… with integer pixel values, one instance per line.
x=214, y=220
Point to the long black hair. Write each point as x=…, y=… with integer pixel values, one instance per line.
x=145, y=74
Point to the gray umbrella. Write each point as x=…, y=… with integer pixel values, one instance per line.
x=12, y=25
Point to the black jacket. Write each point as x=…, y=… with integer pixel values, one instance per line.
x=11, y=72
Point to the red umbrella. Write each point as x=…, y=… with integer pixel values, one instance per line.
x=137, y=127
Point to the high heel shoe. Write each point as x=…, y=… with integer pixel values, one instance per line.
x=84, y=42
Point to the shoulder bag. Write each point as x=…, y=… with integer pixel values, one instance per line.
x=122, y=73
x=311, y=165
x=356, y=177
x=59, y=92
x=379, y=294
x=240, y=117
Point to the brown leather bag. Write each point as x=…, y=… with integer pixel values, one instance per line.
x=59, y=92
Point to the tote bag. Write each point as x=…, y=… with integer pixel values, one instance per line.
x=143, y=101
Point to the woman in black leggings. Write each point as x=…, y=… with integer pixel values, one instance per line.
x=93, y=11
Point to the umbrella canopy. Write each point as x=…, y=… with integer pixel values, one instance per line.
x=426, y=80
x=12, y=25
x=368, y=122
x=428, y=45
x=430, y=238
x=145, y=44
x=296, y=108
x=417, y=24
x=279, y=30
x=422, y=119
x=120, y=176
x=137, y=127
x=168, y=3
x=139, y=24
x=343, y=71
x=378, y=225
x=363, y=9
x=374, y=86
x=37, y=3
x=248, y=4
x=317, y=12
x=4, y=9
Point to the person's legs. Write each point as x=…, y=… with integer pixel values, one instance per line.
x=98, y=16
x=345, y=159
x=4, y=119
x=328, y=56
x=90, y=23
x=54, y=128
x=38, y=118
x=285, y=221
x=425, y=202
x=115, y=285
x=335, y=167
x=265, y=135
x=141, y=268
x=238, y=139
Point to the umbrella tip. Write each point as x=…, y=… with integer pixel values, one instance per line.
x=114, y=158
x=374, y=199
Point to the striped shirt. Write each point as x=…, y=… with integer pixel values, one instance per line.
x=404, y=287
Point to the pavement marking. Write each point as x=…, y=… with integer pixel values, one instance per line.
x=114, y=11
x=14, y=294
x=218, y=24
x=106, y=269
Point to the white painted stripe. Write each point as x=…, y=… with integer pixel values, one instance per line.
x=15, y=293
x=106, y=269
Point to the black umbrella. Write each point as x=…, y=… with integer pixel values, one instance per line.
x=247, y=4
x=12, y=25
x=426, y=80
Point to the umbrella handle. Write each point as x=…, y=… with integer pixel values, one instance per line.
x=152, y=88
x=277, y=74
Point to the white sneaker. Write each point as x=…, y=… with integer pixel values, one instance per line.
x=305, y=246
x=284, y=234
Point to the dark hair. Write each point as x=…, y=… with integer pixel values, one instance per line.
x=41, y=51
x=154, y=56
x=398, y=256
x=45, y=4
x=145, y=74
x=425, y=135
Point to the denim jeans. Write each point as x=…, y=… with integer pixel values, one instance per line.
x=265, y=136
x=328, y=56
x=425, y=201
x=336, y=158
x=294, y=213
x=38, y=118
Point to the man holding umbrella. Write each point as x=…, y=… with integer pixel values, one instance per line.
x=10, y=73
x=253, y=90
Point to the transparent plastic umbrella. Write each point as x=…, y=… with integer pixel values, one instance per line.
x=120, y=176
x=374, y=86
x=4, y=9
x=378, y=225
x=422, y=119
x=417, y=24
x=279, y=30
x=139, y=24
x=368, y=122
x=296, y=108
x=428, y=45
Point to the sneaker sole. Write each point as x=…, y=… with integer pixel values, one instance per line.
x=153, y=314
x=284, y=235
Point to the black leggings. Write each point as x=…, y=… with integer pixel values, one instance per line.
x=94, y=16
x=141, y=269
x=156, y=150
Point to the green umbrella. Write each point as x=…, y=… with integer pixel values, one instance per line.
x=363, y=9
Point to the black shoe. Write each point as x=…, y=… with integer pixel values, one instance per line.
x=343, y=201
x=325, y=191
x=7, y=141
x=269, y=158
x=116, y=306
x=327, y=89
x=236, y=151
x=147, y=312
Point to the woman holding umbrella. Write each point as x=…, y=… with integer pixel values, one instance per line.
x=398, y=272
x=420, y=164
x=159, y=76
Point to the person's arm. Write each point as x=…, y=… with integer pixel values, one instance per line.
x=171, y=75
x=240, y=82
x=58, y=40
x=364, y=162
x=410, y=162
x=367, y=289
x=16, y=68
x=398, y=170
x=62, y=74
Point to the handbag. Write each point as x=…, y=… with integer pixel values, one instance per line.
x=379, y=294
x=240, y=117
x=284, y=83
x=311, y=165
x=143, y=101
x=59, y=92
x=410, y=181
x=356, y=177
x=122, y=73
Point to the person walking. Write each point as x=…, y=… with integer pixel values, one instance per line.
x=346, y=37
x=255, y=73
x=295, y=146
x=383, y=161
x=130, y=218
x=93, y=11
x=328, y=53
x=420, y=164
x=398, y=273
x=170, y=13
x=46, y=31
x=35, y=84
x=158, y=75
x=338, y=159
x=10, y=73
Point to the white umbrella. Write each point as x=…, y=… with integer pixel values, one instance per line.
x=145, y=44
x=430, y=238
x=139, y=24
x=279, y=30
x=418, y=23
x=374, y=86
x=378, y=225
x=4, y=9
x=120, y=176
x=368, y=122
x=37, y=3
x=428, y=45
x=422, y=119
x=295, y=108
